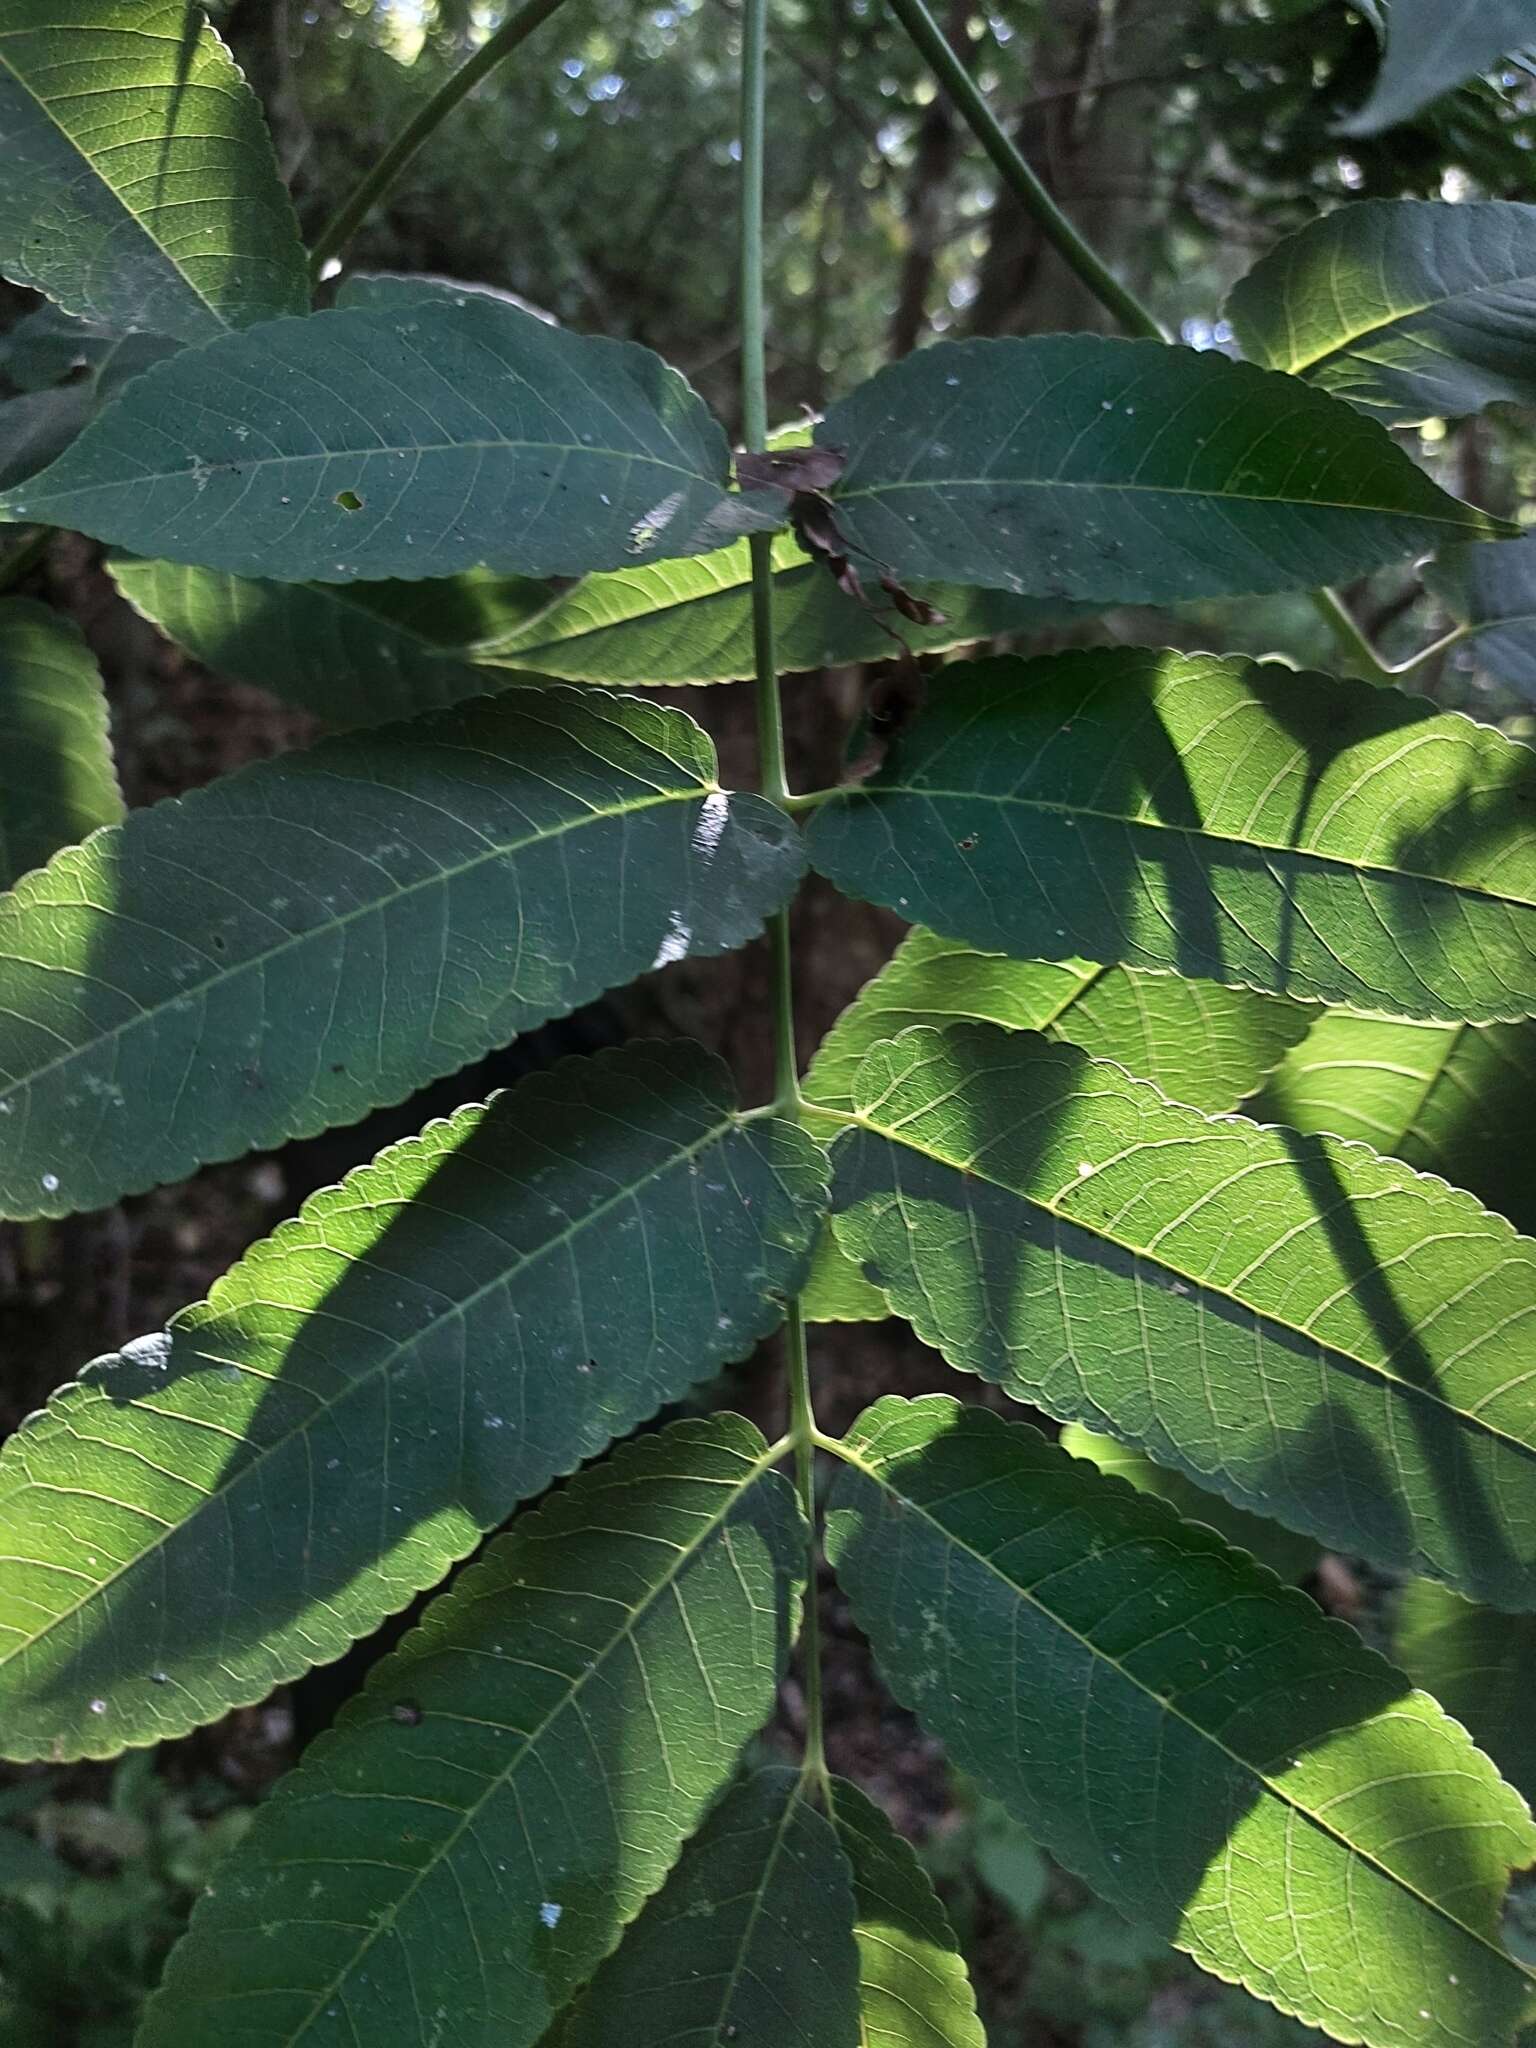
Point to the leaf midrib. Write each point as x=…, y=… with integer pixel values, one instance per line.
x=755, y=1910
x=388, y=1363
x=255, y=961
x=135, y=220
x=1168, y=1706
x=1262, y=1317
x=736, y=1491
x=242, y=465
x=1341, y=349
x=871, y=792
x=1476, y=524
x=533, y=636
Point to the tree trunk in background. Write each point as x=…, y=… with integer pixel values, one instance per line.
x=261, y=35
x=926, y=213
x=1093, y=150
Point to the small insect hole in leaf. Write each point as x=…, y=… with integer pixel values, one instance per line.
x=349, y=501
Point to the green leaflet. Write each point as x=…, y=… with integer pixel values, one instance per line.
x=1203, y=1045
x=1458, y=1100
x=456, y=1857
x=913, y=1989
x=388, y=290
x=1433, y=46
x=1200, y=1044
x=1493, y=590
x=38, y=426
x=57, y=780
x=213, y=1510
x=1047, y=467
x=691, y=622
x=750, y=1944
x=1221, y=818
x=836, y=1291
x=1406, y=308
x=316, y=935
x=1479, y=1665
x=1215, y=1757
x=137, y=183
x=359, y=653
x=409, y=441
x=1320, y=1335
x=331, y=648
x=1288, y=1556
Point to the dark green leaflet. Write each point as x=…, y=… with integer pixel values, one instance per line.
x=57, y=779
x=750, y=1944
x=381, y=1381
x=320, y=934
x=411, y=441
x=1045, y=467
x=1317, y=1333
x=1406, y=308
x=456, y=1857
x=1212, y=817
x=137, y=183
x=1216, y=1758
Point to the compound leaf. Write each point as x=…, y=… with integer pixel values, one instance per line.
x=1454, y=1099
x=1221, y=818
x=413, y=441
x=1434, y=46
x=1479, y=1665
x=1318, y=1334
x=1406, y=308
x=750, y=1944
x=1122, y=472
x=1220, y=1761
x=213, y=1510
x=323, y=933
x=57, y=780
x=1200, y=1044
x=517, y=1777
x=691, y=622
x=137, y=182
x=913, y=1988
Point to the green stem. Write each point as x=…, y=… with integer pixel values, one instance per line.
x=370, y=189
x=1436, y=648
x=806, y=1436
x=770, y=733
x=1016, y=174
x=812, y=799
x=1116, y=298
x=26, y=558
x=1336, y=615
